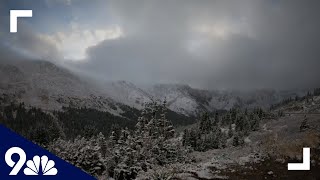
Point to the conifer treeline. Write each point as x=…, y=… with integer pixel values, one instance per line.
x=307, y=97
x=213, y=132
x=126, y=152
x=43, y=127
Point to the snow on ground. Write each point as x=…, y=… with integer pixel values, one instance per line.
x=284, y=133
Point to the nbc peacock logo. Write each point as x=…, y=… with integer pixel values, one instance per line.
x=47, y=167
x=36, y=166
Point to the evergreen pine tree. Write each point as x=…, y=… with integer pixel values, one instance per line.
x=255, y=122
x=103, y=144
x=205, y=125
x=304, y=124
x=238, y=139
x=222, y=140
x=230, y=131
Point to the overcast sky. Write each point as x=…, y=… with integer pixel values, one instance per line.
x=207, y=44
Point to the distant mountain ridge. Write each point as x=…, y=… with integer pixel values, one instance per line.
x=43, y=84
x=46, y=85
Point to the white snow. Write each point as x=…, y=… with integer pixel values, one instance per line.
x=43, y=84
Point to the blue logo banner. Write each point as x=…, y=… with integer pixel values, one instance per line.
x=22, y=159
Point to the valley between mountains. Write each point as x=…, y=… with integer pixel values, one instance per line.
x=121, y=130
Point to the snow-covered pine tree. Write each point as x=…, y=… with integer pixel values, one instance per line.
x=192, y=138
x=255, y=122
x=166, y=127
x=125, y=157
x=238, y=139
x=81, y=152
x=304, y=124
x=206, y=124
x=216, y=119
x=116, y=129
x=152, y=124
x=246, y=125
x=102, y=142
x=230, y=131
x=151, y=144
x=239, y=123
x=222, y=139
x=186, y=138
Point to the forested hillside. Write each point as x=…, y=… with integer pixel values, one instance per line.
x=145, y=145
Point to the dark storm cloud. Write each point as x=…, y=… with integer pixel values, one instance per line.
x=207, y=44
x=265, y=44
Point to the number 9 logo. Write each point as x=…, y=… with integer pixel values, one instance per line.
x=16, y=166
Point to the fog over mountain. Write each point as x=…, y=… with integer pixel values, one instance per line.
x=165, y=89
x=208, y=44
x=45, y=85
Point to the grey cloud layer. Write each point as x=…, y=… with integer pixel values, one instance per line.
x=277, y=49
x=26, y=42
x=253, y=44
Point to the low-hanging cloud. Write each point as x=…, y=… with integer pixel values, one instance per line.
x=208, y=44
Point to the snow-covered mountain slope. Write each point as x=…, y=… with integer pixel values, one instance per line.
x=181, y=98
x=249, y=99
x=127, y=93
x=189, y=101
x=43, y=84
